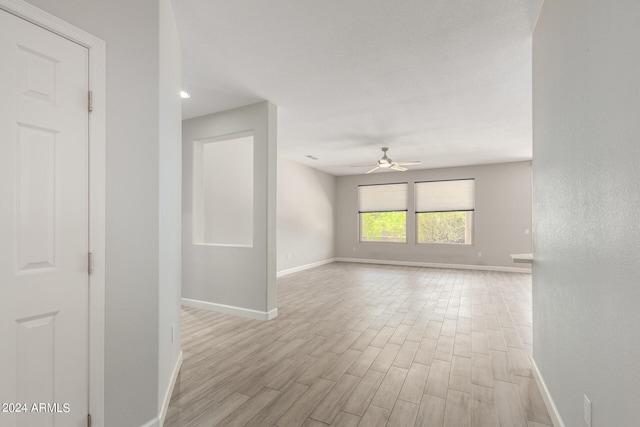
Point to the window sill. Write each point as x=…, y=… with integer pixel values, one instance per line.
x=368, y=242
x=459, y=245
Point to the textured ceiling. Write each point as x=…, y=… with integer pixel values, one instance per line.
x=446, y=82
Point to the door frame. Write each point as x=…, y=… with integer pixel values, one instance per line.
x=97, y=62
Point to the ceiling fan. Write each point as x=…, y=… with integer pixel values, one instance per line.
x=386, y=163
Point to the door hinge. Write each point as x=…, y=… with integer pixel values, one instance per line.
x=90, y=98
x=88, y=420
x=90, y=263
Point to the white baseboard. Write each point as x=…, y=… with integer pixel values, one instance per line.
x=546, y=396
x=288, y=271
x=153, y=423
x=172, y=384
x=230, y=309
x=159, y=420
x=436, y=265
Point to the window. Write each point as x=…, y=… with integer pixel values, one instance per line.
x=444, y=211
x=383, y=212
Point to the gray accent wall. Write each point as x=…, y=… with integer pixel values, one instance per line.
x=502, y=216
x=586, y=275
x=306, y=216
x=235, y=276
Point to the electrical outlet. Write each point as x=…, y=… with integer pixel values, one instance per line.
x=527, y=231
x=479, y=254
x=587, y=411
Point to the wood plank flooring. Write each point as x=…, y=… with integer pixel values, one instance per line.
x=367, y=345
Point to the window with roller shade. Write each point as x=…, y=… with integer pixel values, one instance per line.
x=444, y=211
x=383, y=212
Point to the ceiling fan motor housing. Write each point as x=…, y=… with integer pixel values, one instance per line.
x=385, y=162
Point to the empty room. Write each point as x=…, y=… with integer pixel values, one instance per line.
x=338, y=213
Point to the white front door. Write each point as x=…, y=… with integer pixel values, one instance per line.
x=44, y=238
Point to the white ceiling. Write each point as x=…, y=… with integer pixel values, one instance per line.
x=447, y=82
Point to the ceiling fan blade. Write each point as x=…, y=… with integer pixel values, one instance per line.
x=395, y=167
x=414, y=162
x=373, y=170
x=368, y=165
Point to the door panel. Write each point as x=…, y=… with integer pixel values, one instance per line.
x=35, y=230
x=44, y=225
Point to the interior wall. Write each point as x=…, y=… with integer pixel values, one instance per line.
x=586, y=105
x=135, y=103
x=306, y=216
x=502, y=216
x=236, y=277
x=170, y=200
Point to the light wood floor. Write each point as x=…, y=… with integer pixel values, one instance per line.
x=367, y=345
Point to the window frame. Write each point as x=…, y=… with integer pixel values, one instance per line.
x=406, y=212
x=401, y=242
x=469, y=221
x=469, y=231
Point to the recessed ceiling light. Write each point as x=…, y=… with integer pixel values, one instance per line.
x=184, y=95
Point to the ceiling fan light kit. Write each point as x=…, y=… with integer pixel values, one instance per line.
x=385, y=162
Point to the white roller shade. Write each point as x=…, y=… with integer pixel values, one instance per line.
x=382, y=198
x=445, y=196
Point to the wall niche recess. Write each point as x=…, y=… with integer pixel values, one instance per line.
x=223, y=190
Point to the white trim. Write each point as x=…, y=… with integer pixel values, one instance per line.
x=436, y=265
x=288, y=271
x=222, y=245
x=230, y=309
x=97, y=125
x=152, y=423
x=167, y=397
x=546, y=396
